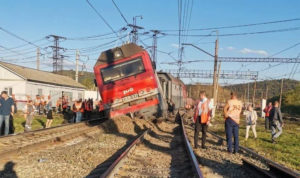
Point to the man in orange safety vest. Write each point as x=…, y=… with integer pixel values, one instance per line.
x=202, y=117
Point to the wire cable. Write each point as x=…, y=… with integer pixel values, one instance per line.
x=240, y=34
x=243, y=25
x=102, y=18
x=18, y=37
x=120, y=12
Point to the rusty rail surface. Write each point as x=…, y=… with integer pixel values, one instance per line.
x=117, y=163
x=191, y=154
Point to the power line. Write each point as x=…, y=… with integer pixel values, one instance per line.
x=281, y=51
x=226, y=74
x=102, y=18
x=240, y=34
x=120, y=12
x=18, y=37
x=19, y=54
x=89, y=37
x=243, y=25
x=285, y=49
x=20, y=46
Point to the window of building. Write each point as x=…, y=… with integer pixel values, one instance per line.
x=79, y=95
x=40, y=91
x=9, y=90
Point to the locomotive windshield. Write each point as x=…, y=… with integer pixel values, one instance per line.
x=122, y=70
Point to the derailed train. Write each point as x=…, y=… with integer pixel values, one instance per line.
x=128, y=84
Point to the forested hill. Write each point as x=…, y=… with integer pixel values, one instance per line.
x=273, y=87
x=85, y=78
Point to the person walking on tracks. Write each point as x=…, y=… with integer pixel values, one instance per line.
x=251, y=117
x=267, y=115
x=6, y=110
x=202, y=118
x=276, y=121
x=232, y=112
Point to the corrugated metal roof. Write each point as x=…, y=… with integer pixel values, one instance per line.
x=41, y=76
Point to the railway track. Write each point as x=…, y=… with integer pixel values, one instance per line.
x=273, y=170
x=156, y=154
x=11, y=146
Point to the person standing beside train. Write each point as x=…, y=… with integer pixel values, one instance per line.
x=202, y=117
x=232, y=112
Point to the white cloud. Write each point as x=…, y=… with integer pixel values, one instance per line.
x=253, y=51
x=230, y=48
x=175, y=45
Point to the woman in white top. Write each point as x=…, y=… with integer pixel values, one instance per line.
x=251, y=117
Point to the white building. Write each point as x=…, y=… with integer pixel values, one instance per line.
x=23, y=81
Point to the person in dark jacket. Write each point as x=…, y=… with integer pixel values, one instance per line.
x=267, y=115
x=276, y=121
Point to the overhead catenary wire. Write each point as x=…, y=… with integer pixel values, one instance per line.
x=239, y=34
x=102, y=18
x=18, y=37
x=26, y=44
x=238, y=26
x=120, y=12
x=280, y=52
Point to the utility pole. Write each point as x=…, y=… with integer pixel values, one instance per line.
x=218, y=76
x=135, y=29
x=154, y=46
x=267, y=92
x=57, y=57
x=248, y=92
x=245, y=94
x=254, y=92
x=77, y=60
x=38, y=53
x=180, y=62
x=215, y=71
x=281, y=88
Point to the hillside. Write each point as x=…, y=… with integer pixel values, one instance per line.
x=85, y=78
x=194, y=90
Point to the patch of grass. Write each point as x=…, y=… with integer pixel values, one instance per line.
x=286, y=151
x=38, y=122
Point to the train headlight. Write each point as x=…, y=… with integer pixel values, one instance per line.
x=118, y=53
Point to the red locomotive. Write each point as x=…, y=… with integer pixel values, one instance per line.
x=128, y=83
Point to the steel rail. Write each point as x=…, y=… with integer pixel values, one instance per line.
x=85, y=122
x=118, y=162
x=191, y=154
x=274, y=167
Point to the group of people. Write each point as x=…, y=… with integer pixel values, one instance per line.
x=75, y=111
x=232, y=112
x=41, y=105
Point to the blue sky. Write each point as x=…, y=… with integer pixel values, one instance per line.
x=33, y=20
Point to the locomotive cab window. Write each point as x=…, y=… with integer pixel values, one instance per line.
x=122, y=70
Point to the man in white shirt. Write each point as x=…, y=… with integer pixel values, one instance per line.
x=202, y=117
